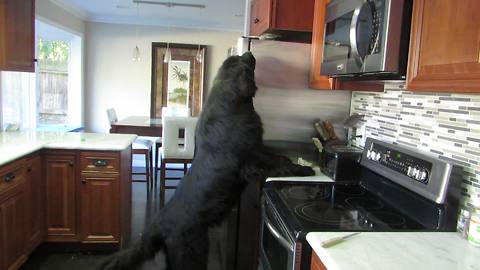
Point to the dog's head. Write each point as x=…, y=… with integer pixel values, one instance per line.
x=239, y=72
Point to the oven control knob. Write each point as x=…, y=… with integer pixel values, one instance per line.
x=417, y=175
x=372, y=154
x=414, y=173
x=423, y=176
x=410, y=171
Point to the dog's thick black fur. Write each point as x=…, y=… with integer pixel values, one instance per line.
x=229, y=152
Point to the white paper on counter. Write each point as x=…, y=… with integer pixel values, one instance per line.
x=318, y=177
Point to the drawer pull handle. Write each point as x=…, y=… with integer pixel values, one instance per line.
x=256, y=20
x=84, y=181
x=29, y=169
x=70, y=163
x=100, y=163
x=9, y=177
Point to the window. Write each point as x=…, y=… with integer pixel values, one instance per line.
x=51, y=98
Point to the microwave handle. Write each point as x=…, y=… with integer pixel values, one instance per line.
x=284, y=242
x=353, y=33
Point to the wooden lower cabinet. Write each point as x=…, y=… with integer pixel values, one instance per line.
x=34, y=203
x=12, y=229
x=61, y=208
x=316, y=263
x=100, y=208
x=64, y=196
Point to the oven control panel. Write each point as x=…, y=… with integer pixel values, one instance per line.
x=421, y=172
x=411, y=166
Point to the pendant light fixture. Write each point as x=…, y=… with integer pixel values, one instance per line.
x=136, y=50
x=168, y=54
x=199, y=56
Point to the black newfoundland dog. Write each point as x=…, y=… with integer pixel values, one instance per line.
x=229, y=152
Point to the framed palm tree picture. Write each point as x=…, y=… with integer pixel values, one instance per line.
x=177, y=77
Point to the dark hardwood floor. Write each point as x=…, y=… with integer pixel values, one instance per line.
x=144, y=205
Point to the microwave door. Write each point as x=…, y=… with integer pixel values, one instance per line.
x=363, y=37
x=337, y=49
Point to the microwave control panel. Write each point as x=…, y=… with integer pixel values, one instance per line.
x=408, y=165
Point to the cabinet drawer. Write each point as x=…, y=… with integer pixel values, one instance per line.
x=99, y=162
x=11, y=175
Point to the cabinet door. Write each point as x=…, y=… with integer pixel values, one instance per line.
x=316, y=263
x=100, y=211
x=444, y=46
x=12, y=239
x=60, y=198
x=17, y=35
x=260, y=16
x=35, y=203
x=318, y=81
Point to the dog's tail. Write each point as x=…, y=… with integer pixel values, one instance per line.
x=131, y=258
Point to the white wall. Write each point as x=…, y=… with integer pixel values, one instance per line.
x=114, y=80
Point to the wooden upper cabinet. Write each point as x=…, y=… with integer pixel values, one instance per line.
x=60, y=179
x=444, y=46
x=260, y=16
x=282, y=18
x=318, y=81
x=17, y=38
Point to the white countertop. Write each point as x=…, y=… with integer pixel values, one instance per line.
x=14, y=145
x=397, y=251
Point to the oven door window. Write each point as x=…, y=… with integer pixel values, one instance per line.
x=353, y=35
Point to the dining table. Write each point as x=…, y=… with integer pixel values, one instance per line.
x=140, y=125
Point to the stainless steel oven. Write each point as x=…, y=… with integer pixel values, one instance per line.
x=280, y=250
x=366, y=38
x=398, y=189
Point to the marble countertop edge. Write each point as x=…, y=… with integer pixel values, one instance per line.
x=15, y=145
x=396, y=251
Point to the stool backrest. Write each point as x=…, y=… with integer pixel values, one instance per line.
x=112, y=115
x=171, y=126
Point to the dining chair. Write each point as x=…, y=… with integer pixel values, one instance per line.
x=172, y=151
x=140, y=146
x=167, y=111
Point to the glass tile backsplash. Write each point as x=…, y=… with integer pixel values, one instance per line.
x=445, y=124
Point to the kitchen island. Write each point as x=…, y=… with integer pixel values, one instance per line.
x=394, y=251
x=56, y=187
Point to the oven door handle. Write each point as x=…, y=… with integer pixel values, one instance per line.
x=277, y=235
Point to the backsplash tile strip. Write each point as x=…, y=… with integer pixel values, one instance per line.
x=444, y=124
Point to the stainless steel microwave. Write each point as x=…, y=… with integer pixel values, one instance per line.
x=366, y=39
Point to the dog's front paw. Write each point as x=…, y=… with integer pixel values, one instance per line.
x=300, y=170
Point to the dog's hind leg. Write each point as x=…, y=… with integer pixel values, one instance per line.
x=189, y=250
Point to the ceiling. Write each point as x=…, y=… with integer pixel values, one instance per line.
x=218, y=14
